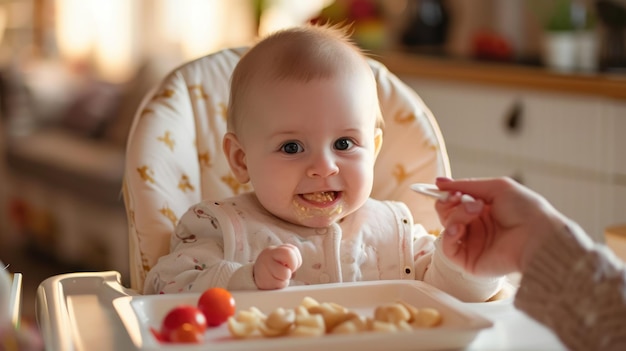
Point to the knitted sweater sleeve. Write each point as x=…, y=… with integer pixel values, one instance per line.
x=578, y=289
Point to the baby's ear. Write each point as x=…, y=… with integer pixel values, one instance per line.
x=236, y=156
x=378, y=141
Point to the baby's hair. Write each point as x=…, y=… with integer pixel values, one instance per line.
x=300, y=54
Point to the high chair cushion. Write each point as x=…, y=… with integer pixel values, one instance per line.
x=174, y=153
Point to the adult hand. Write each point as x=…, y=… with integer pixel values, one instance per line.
x=497, y=233
x=275, y=265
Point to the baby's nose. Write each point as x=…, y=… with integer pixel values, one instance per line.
x=323, y=165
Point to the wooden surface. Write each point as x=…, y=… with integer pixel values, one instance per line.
x=504, y=74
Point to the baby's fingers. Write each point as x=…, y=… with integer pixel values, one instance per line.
x=287, y=255
x=280, y=272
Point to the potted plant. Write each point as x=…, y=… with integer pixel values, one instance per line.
x=569, y=38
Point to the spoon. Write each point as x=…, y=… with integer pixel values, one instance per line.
x=433, y=191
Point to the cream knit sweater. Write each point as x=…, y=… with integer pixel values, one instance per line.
x=578, y=289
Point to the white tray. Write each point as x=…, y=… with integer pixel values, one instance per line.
x=460, y=325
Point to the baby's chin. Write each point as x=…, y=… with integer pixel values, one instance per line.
x=310, y=220
x=317, y=222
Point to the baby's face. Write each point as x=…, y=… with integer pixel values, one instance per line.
x=310, y=148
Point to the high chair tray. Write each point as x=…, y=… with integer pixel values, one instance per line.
x=458, y=328
x=15, y=299
x=75, y=312
x=93, y=311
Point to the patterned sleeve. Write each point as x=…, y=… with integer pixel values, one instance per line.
x=578, y=289
x=434, y=268
x=196, y=259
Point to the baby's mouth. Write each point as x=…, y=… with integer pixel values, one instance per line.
x=321, y=197
x=318, y=204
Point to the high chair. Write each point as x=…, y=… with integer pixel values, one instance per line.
x=174, y=153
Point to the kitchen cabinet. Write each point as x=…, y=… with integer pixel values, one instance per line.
x=567, y=145
x=618, y=136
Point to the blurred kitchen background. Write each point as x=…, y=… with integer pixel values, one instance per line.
x=532, y=89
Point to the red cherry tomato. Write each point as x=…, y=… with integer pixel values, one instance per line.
x=157, y=335
x=217, y=304
x=180, y=315
x=186, y=333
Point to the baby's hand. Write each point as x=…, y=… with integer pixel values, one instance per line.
x=275, y=266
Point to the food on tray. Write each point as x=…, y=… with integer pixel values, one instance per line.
x=183, y=323
x=187, y=324
x=312, y=318
x=217, y=304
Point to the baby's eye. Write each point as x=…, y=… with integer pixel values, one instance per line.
x=291, y=148
x=343, y=144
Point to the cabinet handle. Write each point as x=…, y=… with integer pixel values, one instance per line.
x=513, y=121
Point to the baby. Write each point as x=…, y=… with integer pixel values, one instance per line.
x=304, y=128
